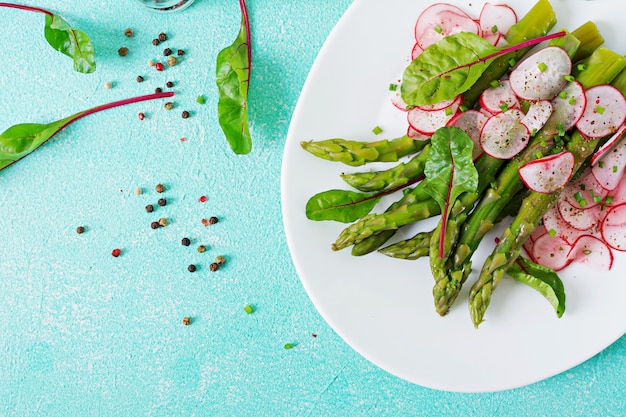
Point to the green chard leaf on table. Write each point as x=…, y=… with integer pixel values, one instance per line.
x=233, y=81
x=340, y=205
x=449, y=171
x=65, y=39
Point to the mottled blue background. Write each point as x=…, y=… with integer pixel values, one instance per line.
x=86, y=334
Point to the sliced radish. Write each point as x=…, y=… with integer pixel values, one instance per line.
x=498, y=99
x=548, y=174
x=614, y=227
x=593, y=251
x=568, y=107
x=440, y=20
x=529, y=243
x=427, y=122
x=396, y=99
x=618, y=194
x=584, y=192
x=416, y=51
x=604, y=113
x=551, y=251
x=456, y=101
x=608, y=145
x=496, y=19
x=503, y=135
x=491, y=37
x=415, y=135
x=610, y=168
x=471, y=122
x=540, y=76
x=537, y=115
x=581, y=219
x=553, y=223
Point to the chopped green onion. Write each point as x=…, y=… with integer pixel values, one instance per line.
x=377, y=130
x=580, y=200
x=563, y=95
x=534, y=132
x=608, y=199
x=597, y=199
x=581, y=67
x=561, y=128
x=614, y=168
x=552, y=232
x=542, y=67
x=494, y=83
x=569, y=78
x=583, y=187
x=289, y=346
x=393, y=87
x=512, y=62
x=587, y=252
x=200, y=100
x=601, y=164
x=494, y=28
x=463, y=109
x=248, y=309
x=438, y=29
x=538, y=154
x=504, y=107
x=572, y=101
x=599, y=109
x=448, y=111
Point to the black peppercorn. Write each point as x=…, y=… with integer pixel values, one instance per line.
x=214, y=267
x=80, y=230
x=167, y=52
x=191, y=268
x=158, y=90
x=162, y=202
x=159, y=188
x=139, y=79
x=162, y=37
x=149, y=208
x=155, y=42
x=129, y=32
x=169, y=84
x=155, y=225
x=180, y=52
x=185, y=114
x=123, y=51
x=185, y=241
x=186, y=321
x=212, y=220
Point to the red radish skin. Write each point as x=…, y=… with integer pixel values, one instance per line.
x=496, y=19
x=548, y=174
x=589, y=190
x=416, y=51
x=553, y=223
x=581, y=219
x=605, y=111
x=427, y=122
x=471, y=122
x=610, y=168
x=415, y=135
x=498, y=99
x=456, y=101
x=503, y=135
x=551, y=251
x=537, y=115
x=541, y=75
x=618, y=195
x=592, y=251
x=567, y=108
x=608, y=145
x=614, y=228
x=440, y=20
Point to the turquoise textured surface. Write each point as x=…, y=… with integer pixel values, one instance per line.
x=85, y=334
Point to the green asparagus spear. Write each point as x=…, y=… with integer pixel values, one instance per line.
x=411, y=249
x=391, y=178
x=532, y=210
x=355, y=153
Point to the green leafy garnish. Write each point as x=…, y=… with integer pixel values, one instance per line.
x=449, y=171
x=340, y=205
x=233, y=81
x=542, y=279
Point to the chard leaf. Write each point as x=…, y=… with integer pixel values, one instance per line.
x=544, y=280
x=340, y=205
x=449, y=172
x=233, y=81
x=71, y=42
x=446, y=69
x=19, y=140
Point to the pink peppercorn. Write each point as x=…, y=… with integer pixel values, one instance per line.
x=141, y=116
x=116, y=252
x=202, y=199
x=159, y=66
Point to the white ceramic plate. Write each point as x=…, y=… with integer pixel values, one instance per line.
x=383, y=307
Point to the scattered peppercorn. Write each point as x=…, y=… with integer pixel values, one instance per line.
x=185, y=241
x=162, y=37
x=169, y=84
x=180, y=52
x=191, y=268
x=141, y=116
x=80, y=230
x=212, y=220
x=116, y=252
x=139, y=79
x=201, y=249
x=162, y=202
x=123, y=51
x=203, y=199
x=162, y=222
x=108, y=85
x=168, y=105
x=155, y=41
x=220, y=260
x=129, y=32
x=138, y=191
x=186, y=321
x=158, y=90
x=155, y=225
x=183, y=139
x=314, y=334
x=185, y=114
x=214, y=267
x=167, y=52
x=171, y=61
x=159, y=66
x=149, y=208
x=159, y=188
x=151, y=63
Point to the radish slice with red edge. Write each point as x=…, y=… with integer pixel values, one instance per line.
x=471, y=122
x=440, y=20
x=610, y=168
x=554, y=224
x=614, y=227
x=567, y=108
x=541, y=75
x=458, y=100
x=584, y=192
x=618, y=194
x=396, y=98
x=604, y=113
x=580, y=219
x=427, y=122
x=499, y=98
x=549, y=173
x=608, y=145
x=503, y=135
x=415, y=135
x=552, y=252
x=537, y=115
x=496, y=19
x=592, y=251
x=416, y=51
